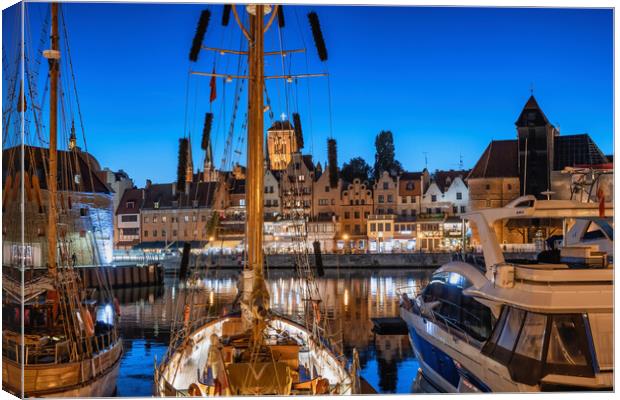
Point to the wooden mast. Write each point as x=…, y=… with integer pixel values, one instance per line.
x=53, y=57
x=255, y=174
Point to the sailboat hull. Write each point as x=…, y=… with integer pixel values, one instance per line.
x=66, y=380
x=179, y=371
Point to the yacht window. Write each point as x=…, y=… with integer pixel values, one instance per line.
x=601, y=326
x=567, y=345
x=532, y=336
x=508, y=336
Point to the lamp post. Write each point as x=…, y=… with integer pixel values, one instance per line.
x=345, y=237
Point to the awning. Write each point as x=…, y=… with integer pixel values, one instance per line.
x=227, y=244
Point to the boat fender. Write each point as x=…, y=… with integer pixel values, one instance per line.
x=88, y=323
x=117, y=307
x=186, y=313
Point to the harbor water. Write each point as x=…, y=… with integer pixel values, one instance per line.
x=350, y=298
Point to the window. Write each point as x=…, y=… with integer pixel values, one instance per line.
x=301, y=178
x=194, y=218
x=347, y=215
x=413, y=213
x=366, y=214
x=357, y=229
x=380, y=198
x=129, y=218
x=83, y=211
x=388, y=227
x=385, y=185
x=403, y=213
x=390, y=211
x=163, y=218
x=390, y=198
x=413, y=200
x=356, y=214
x=146, y=234
x=404, y=199
x=242, y=202
x=154, y=233
x=326, y=189
x=509, y=186
x=163, y=233
x=410, y=185
x=455, y=209
x=429, y=211
x=437, y=210
x=146, y=219
x=154, y=220
x=156, y=204
x=380, y=226
x=463, y=209
x=488, y=187
x=373, y=227
x=488, y=203
x=174, y=232
x=433, y=198
x=130, y=204
x=186, y=218
x=459, y=196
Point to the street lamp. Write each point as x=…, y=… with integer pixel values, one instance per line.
x=345, y=237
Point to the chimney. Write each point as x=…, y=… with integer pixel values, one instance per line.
x=148, y=184
x=174, y=188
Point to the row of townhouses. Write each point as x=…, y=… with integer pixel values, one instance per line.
x=412, y=211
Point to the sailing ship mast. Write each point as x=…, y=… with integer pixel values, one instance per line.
x=53, y=56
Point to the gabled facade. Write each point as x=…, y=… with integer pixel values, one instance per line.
x=357, y=206
x=296, y=187
x=411, y=186
x=385, y=194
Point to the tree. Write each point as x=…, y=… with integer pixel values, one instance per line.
x=384, y=155
x=356, y=168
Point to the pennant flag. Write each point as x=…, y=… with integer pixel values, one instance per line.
x=213, y=86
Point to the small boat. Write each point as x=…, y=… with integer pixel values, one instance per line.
x=254, y=351
x=58, y=339
x=517, y=327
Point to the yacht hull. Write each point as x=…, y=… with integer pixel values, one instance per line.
x=454, y=364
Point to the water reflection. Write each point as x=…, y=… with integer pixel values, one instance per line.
x=349, y=300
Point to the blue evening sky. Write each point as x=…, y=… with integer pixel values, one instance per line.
x=445, y=81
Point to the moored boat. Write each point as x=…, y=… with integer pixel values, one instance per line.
x=506, y=327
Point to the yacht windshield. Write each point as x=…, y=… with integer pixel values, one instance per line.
x=533, y=345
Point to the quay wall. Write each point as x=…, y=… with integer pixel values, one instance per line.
x=350, y=261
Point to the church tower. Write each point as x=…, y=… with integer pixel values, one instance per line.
x=535, y=137
x=281, y=144
x=189, y=172
x=209, y=173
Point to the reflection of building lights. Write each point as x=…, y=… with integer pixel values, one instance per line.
x=211, y=299
x=346, y=297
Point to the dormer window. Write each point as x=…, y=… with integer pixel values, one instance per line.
x=156, y=204
x=130, y=204
x=410, y=185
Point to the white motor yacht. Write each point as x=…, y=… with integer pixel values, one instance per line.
x=506, y=327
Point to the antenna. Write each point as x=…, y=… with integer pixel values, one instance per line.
x=460, y=161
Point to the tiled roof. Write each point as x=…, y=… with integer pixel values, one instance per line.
x=532, y=114
x=281, y=126
x=444, y=179
x=405, y=179
x=166, y=197
x=308, y=161
x=130, y=195
x=70, y=164
x=499, y=160
x=572, y=150
x=237, y=186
